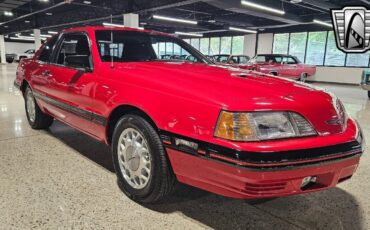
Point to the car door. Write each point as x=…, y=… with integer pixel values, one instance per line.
x=71, y=81
x=289, y=67
x=39, y=81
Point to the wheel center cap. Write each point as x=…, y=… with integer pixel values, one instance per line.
x=133, y=159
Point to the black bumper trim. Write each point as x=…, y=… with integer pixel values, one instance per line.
x=268, y=160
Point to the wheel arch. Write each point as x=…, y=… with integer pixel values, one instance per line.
x=120, y=111
x=275, y=73
x=24, y=85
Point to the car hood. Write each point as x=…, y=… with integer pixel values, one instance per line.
x=233, y=89
x=214, y=82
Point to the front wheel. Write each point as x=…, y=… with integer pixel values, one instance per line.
x=303, y=77
x=36, y=118
x=140, y=160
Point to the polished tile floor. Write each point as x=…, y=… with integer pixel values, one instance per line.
x=62, y=179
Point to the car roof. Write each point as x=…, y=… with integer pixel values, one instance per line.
x=110, y=28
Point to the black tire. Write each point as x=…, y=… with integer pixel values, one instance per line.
x=303, y=77
x=162, y=179
x=40, y=120
x=368, y=94
x=10, y=61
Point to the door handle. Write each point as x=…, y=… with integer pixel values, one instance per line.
x=46, y=73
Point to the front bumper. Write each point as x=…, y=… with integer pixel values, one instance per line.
x=242, y=183
x=272, y=174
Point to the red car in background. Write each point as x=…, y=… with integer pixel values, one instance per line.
x=282, y=65
x=233, y=132
x=236, y=61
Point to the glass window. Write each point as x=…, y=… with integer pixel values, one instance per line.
x=281, y=43
x=204, y=46
x=358, y=60
x=215, y=46
x=289, y=60
x=316, y=48
x=221, y=58
x=225, y=45
x=297, y=45
x=128, y=46
x=162, y=48
x=334, y=56
x=74, y=51
x=48, y=49
x=169, y=48
x=238, y=45
x=195, y=43
x=176, y=49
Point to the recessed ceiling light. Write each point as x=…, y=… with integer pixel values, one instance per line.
x=112, y=25
x=322, y=23
x=262, y=7
x=8, y=13
x=43, y=0
x=165, y=18
x=27, y=21
x=49, y=13
x=52, y=32
x=6, y=26
x=143, y=23
x=87, y=2
x=189, y=34
x=242, y=30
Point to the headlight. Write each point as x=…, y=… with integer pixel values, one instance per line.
x=256, y=126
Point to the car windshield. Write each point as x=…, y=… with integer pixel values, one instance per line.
x=131, y=46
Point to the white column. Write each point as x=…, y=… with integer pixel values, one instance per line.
x=2, y=50
x=131, y=20
x=250, y=42
x=37, y=36
x=264, y=45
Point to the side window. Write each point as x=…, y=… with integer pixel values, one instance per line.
x=74, y=51
x=289, y=60
x=48, y=49
x=260, y=59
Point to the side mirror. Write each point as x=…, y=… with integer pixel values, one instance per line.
x=81, y=62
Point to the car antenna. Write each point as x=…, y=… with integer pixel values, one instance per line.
x=111, y=43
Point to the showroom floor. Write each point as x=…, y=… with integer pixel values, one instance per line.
x=60, y=178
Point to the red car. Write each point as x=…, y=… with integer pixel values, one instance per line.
x=282, y=65
x=232, y=132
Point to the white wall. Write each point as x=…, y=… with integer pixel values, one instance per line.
x=250, y=45
x=18, y=47
x=346, y=75
x=264, y=45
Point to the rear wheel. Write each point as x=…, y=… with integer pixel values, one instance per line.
x=36, y=118
x=140, y=161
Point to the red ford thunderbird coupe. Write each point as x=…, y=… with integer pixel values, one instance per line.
x=233, y=132
x=282, y=65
